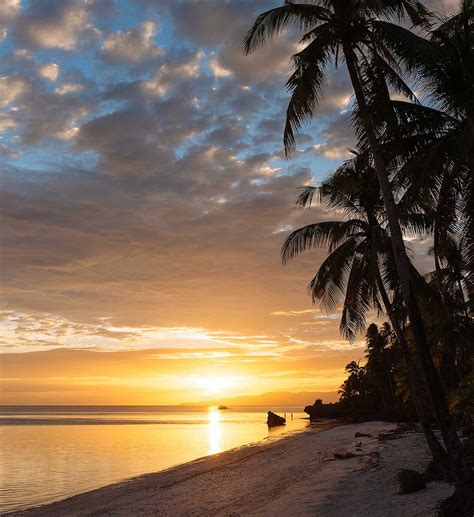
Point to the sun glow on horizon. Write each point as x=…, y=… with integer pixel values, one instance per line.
x=211, y=385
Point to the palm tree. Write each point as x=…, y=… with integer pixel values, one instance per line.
x=349, y=275
x=353, y=29
x=438, y=152
x=355, y=392
x=378, y=364
x=453, y=335
x=359, y=268
x=439, y=139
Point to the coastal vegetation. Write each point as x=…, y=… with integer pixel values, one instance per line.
x=411, y=176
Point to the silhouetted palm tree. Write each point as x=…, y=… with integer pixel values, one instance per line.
x=453, y=334
x=353, y=29
x=439, y=139
x=356, y=392
x=378, y=365
x=359, y=268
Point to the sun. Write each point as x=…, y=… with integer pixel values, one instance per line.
x=214, y=385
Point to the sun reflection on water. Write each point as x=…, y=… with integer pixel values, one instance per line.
x=214, y=431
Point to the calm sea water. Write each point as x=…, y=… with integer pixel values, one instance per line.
x=51, y=452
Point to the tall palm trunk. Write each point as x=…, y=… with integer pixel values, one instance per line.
x=382, y=394
x=388, y=375
x=438, y=453
x=460, y=470
x=465, y=305
x=447, y=361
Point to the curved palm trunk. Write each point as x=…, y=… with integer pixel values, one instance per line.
x=460, y=470
x=439, y=454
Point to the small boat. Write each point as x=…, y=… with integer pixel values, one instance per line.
x=222, y=407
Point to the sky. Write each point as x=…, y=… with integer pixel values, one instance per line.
x=144, y=200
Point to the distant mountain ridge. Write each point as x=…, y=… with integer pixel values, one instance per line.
x=278, y=398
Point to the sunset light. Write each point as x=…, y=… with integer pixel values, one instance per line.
x=214, y=431
x=215, y=385
x=236, y=247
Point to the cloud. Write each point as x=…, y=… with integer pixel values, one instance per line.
x=12, y=88
x=443, y=5
x=9, y=9
x=218, y=21
x=294, y=313
x=170, y=73
x=273, y=60
x=155, y=195
x=117, y=132
x=35, y=110
x=337, y=139
x=217, y=69
x=225, y=24
x=46, y=114
x=131, y=46
x=69, y=88
x=337, y=93
x=4, y=151
x=332, y=152
x=49, y=331
x=6, y=123
x=56, y=24
x=49, y=71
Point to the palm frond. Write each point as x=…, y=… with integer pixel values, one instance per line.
x=325, y=234
x=417, y=13
x=306, y=83
x=305, y=196
x=272, y=22
x=356, y=303
x=328, y=284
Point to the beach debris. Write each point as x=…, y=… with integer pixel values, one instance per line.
x=344, y=455
x=362, y=435
x=274, y=420
x=358, y=446
x=410, y=481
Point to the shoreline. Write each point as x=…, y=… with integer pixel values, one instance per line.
x=292, y=474
x=321, y=426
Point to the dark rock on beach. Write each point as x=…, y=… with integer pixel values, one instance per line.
x=410, y=481
x=362, y=435
x=273, y=419
x=344, y=455
x=320, y=410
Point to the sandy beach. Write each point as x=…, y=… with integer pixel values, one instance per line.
x=294, y=475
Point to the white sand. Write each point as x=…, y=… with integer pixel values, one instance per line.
x=296, y=475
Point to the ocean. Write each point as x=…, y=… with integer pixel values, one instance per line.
x=52, y=452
